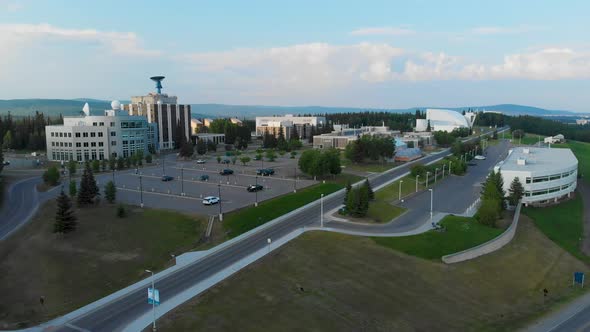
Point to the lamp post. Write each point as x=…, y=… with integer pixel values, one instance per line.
x=256, y=191
x=182, y=180
x=443, y=171
x=219, y=194
x=427, y=174
x=435, y=173
x=140, y=191
x=322, y=211
x=450, y=169
x=431, y=199
x=417, y=176
x=400, y=189
x=153, y=299
x=269, y=241
x=163, y=164
x=295, y=180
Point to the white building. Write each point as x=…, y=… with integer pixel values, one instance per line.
x=215, y=138
x=91, y=137
x=554, y=139
x=343, y=134
x=303, y=124
x=445, y=120
x=582, y=122
x=546, y=174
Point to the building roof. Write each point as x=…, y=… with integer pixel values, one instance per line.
x=538, y=159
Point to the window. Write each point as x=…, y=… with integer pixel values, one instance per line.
x=112, y=124
x=113, y=133
x=554, y=177
x=53, y=144
x=94, y=124
x=101, y=124
x=528, y=180
x=53, y=135
x=124, y=124
x=93, y=144
x=125, y=142
x=100, y=144
x=540, y=179
x=61, y=134
x=69, y=134
x=84, y=134
x=78, y=145
x=85, y=144
x=77, y=134
x=113, y=143
x=92, y=134
x=70, y=145
x=99, y=134
x=61, y=144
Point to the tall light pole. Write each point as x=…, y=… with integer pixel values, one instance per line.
x=269, y=241
x=435, y=173
x=427, y=173
x=417, y=176
x=163, y=164
x=400, y=189
x=153, y=299
x=219, y=194
x=295, y=180
x=322, y=211
x=256, y=191
x=443, y=171
x=140, y=191
x=431, y=198
x=450, y=169
x=182, y=180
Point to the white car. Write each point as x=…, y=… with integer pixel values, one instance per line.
x=210, y=200
x=200, y=161
x=479, y=157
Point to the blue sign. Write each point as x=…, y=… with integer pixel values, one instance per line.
x=579, y=278
x=153, y=295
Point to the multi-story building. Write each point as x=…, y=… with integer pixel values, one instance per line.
x=546, y=174
x=91, y=137
x=165, y=111
x=303, y=124
x=343, y=134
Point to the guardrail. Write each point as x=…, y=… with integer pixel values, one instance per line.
x=488, y=247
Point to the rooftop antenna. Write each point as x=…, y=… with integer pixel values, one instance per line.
x=158, y=80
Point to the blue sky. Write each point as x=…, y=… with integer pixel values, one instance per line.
x=386, y=54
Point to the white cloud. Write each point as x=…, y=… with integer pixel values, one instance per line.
x=502, y=30
x=10, y=6
x=121, y=43
x=382, y=31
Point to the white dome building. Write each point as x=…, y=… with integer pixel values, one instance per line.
x=445, y=120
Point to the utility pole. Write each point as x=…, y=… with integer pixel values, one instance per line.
x=431, y=199
x=140, y=191
x=417, y=176
x=219, y=193
x=322, y=211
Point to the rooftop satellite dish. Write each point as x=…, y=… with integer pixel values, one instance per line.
x=158, y=80
x=86, y=109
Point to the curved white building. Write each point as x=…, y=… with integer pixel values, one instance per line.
x=445, y=120
x=546, y=174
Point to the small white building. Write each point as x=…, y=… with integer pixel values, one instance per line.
x=208, y=137
x=554, y=139
x=343, y=134
x=546, y=174
x=91, y=137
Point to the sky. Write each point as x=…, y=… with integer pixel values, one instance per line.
x=368, y=54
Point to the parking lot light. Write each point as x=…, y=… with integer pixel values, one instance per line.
x=431, y=198
x=256, y=192
x=182, y=180
x=140, y=191
x=219, y=195
x=417, y=176
x=322, y=211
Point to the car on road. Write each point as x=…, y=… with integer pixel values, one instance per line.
x=210, y=200
x=167, y=178
x=257, y=157
x=471, y=163
x=265, y=171
x=225, y=161
x=226, y=171
x=479, y=157
x=6, y=163
x=200, y=161
x=204, y=177
x=254, y=187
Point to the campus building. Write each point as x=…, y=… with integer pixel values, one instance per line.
x=546, y=174
x=445, y=120
x=343, y=134
x=91, y=137
x=303, y=124
x=163, y=110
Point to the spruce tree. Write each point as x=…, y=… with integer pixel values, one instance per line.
x=370, y=189
x=73, y=188
x=516, y=191
x=110, y=192
x=348, y=189
x=65, y=220
x=88, y=188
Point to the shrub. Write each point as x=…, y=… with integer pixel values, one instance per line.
x=121, y=211
x=51, y=176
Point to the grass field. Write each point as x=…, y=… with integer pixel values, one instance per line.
x=582, y=152
x=333, y=282
x=241, y=221
x=562, y=223
x=461, y=233
x=381, y=211
x=102, y=256
x=528, y=139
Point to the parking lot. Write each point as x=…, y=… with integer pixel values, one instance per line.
x=186, y=190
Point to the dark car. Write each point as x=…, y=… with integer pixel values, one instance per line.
x=167, y=178
x=225, y=161
x=265, y=171
x=471, y=163
x=204, y=177
x=254, y=187
x=226, y=171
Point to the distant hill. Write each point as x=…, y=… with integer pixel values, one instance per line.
x=67, y=107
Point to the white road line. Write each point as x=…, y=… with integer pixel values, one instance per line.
x=74, y=327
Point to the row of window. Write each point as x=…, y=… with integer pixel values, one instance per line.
x=132, y=124
x=87, y=154
x=549, y=177
x=78, y=144
x=548, y=190
x=86, y=134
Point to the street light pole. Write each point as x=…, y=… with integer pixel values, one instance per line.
x=219, y=194
x=153, y=299
x=431, y=199
x=450, y=164
x=182, y=180
x=256, y=191
x=322, y=211
x=417, y=176
x=113, y=175
x=295, y=180
x=140, y=191
x=435, y=173
x=400, y=189
x=443, y=171
x=427, y=173
x=163, y=164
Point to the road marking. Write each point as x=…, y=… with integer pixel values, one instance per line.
x=74, y=327
x=194, y=181
x=243, y=174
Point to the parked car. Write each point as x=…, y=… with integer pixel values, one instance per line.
x=204, y=177
x=471, y=163
x=225, y=161
x=254, y=187
x=200, y=161
x=167, y=178
x=6, y=163
x=226, y=171
x=210, y=200
x=265, y=171
x=479, y=157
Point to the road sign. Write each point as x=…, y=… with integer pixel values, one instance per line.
x=151, y=296
x=579, y=278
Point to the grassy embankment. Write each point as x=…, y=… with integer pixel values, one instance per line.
x=103, y=255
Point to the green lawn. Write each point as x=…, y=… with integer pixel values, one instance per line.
x=562, y=223
x=528, y=139
x=390, y=193
x=582, y=152
x=371, y=167
x=461, y=233
x=103, y=255
x=241, y=221
x=382, y=211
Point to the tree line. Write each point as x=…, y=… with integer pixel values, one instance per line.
x=25, y=132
